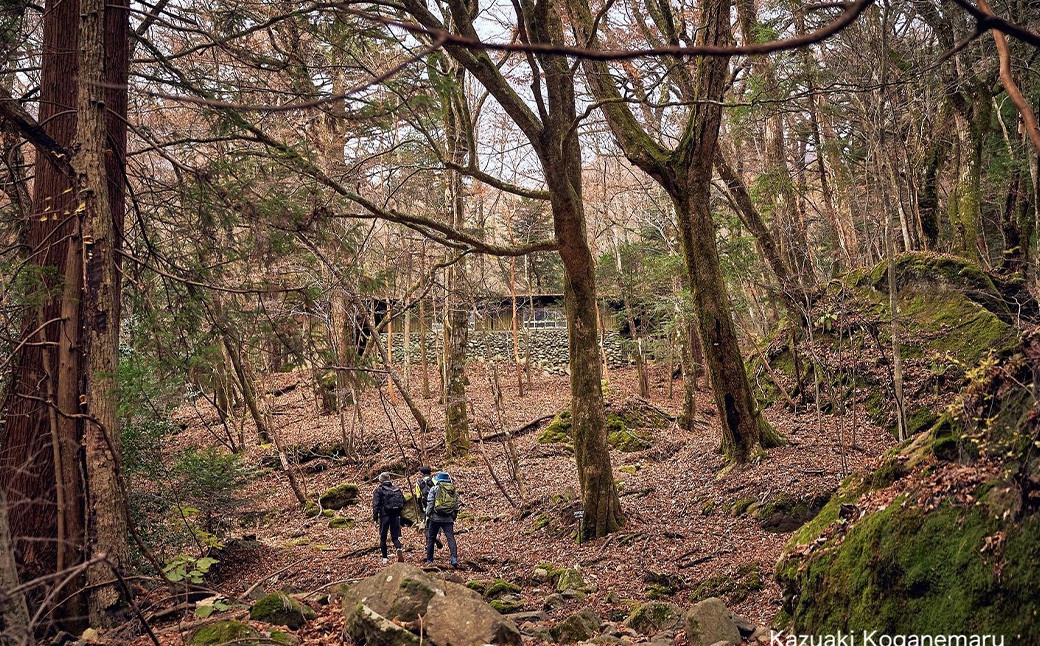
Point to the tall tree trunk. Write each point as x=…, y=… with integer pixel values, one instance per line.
x=456, y=314
x=552, y=136
x=965, y=207
x=104, y=51
x=41, y=466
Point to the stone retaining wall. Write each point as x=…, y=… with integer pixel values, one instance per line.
x=548, y=347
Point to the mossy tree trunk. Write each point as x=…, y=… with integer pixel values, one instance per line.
x=549, y=132
x=685, y=174
x=965, y=204
x=456, y=312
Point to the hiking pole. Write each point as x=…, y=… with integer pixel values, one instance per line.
x=580, y=516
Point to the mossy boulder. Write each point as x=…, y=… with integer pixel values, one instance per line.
x=340, y=496
x=786, y=512
x=579, y=627
x=630, y=425
x=384, y=609
x=507, y=606
x=741, y=506
x=952, y=314
x=280, y=609
x=558, y=431
x=342, y=522
x=222, y=632
x=652, y=617
x=906, y=569
x=570, y=579
x=499, y=588
x=734, y=588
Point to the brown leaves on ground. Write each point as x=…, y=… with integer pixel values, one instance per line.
x=679, y=527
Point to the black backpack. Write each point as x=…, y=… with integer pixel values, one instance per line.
x=393, y=499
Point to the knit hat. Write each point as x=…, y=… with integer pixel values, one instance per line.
x=384, y=477
x=425, y=470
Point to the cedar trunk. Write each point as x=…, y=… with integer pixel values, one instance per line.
x=104, y=51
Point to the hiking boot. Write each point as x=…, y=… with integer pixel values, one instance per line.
x=455, y=563
x=385, y=560
x=400, y=555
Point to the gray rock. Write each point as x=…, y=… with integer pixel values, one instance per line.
x=579, y=627
x=366, y=626
x=653, y=617
x=553, y=601
x=458, y=620
x=381, y=610
x=709, y=623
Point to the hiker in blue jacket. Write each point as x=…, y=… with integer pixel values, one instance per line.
x=442, y=508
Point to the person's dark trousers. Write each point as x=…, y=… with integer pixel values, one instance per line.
x=432, y=529
x=389, y=523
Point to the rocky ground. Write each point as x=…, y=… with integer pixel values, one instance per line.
x=694, y=530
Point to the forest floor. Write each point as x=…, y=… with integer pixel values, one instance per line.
x=677, y=497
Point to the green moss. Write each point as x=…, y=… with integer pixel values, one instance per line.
x=283, y=637
x=786, y=512
x=735, y=588
x=221, y=632
x=506, y=607
x=708, y=508
x=907, y=570
x=653, y=617
x=630, y=469
x=311, y=509
x=558, y=430
x=967, y=330
x=499, y=588
x=848, y=492
x=623, y=438
x=280, y=609
x=891, y=470
x=341, y=522
x=339, y=496
x=478, y=585
x=946, y=448
x=741, y=506
x=921, y=420
x=657, y=591
x=569, y=579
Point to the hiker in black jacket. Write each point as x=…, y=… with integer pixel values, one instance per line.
x=442, y=507
x=387, y=503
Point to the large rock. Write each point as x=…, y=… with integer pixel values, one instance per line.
x=385, y=609
x=653, y=617
x=221, y=632
x=709, y=622
x=366, y=626
x=339, y=496
x=458, y=620
x=579, y=627
x=570, y=579
x=280, y=609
